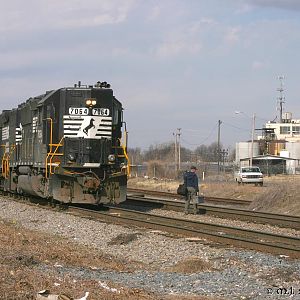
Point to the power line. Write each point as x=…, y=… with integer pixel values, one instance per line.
x=186, y=142
x=239, y=128
x=201, y=142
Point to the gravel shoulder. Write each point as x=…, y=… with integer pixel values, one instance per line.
x=234, y=223
x=63, y=253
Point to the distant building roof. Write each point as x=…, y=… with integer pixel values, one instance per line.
x=268, y=157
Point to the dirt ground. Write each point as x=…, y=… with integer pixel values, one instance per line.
x=30, y=262
x=22, y=252
x=280, y=194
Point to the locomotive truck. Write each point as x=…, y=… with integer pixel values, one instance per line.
x=67, y=145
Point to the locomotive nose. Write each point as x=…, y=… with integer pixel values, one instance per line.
x=90, y=153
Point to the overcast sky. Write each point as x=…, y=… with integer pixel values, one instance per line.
x=172, y=63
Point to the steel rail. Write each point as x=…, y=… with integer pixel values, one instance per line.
x=226, y=201
x=234, y=236
x=244, y=238
x=223, y=212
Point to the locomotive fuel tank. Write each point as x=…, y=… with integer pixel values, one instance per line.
x=31, y=185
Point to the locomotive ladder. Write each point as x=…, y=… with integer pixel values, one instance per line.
x=124, y=154
x=5, y=161
x=53, y=151
x=50, y=155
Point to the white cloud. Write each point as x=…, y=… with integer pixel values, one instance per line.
x=177, y=47
x=43, y=57
x=257, y=65
x=38, y=15
x=283, y=4
x=244, y=8
x=181, y=41
x=155, y=12
x=232, y=35
x=208, y=21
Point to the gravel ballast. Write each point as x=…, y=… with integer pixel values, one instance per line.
x=227, y=272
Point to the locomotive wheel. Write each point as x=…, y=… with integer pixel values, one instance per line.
x=52, y=203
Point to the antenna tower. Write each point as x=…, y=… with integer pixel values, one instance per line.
x=281, y=98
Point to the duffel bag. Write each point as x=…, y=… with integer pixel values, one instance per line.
x=181, y=190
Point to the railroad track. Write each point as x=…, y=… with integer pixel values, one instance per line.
x=223, y=212
x=221, y=234
x=234, y=236
x=223, y=201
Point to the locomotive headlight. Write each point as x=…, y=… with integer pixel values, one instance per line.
x=111, y=158
x=88, y=102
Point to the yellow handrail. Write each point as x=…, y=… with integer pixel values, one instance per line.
x=55, y=154
x=50, y=153
x=125, y=152
x=5, y=161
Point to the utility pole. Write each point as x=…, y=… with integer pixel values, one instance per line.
x=252, y=138
x=175, y=151
x=218, y=150
x=179, y=157
x=224, y=154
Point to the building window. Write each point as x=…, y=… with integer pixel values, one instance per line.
x=285, y=129
x=296, y=130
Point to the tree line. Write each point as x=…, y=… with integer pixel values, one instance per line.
x=166, y=152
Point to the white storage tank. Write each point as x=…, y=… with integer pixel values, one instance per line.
x=243, y=150
x=287, y=117
x=294, y=149
x=284, y=153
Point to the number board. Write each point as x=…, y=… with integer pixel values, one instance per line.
x=101, y=112
x=79, y=111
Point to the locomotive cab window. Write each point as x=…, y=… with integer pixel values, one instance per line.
x=40, y=116
x=117, y=117
x=50, y=113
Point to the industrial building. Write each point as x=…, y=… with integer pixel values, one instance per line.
x=277, y=149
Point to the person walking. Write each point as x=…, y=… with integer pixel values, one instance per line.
x=191, y=182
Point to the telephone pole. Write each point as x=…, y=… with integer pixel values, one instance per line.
x=179, y=157
x=175, y=151
x=218, y=150
x=252, y=138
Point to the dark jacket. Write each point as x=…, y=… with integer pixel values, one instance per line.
x=191, y=180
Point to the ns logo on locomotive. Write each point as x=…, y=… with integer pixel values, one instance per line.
x=67, y=145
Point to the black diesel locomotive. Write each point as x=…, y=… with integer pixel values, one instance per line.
x=67, y=145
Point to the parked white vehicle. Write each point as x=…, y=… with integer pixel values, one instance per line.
x=249, y=175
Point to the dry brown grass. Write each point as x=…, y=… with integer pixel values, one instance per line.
x=189, y=266
x=124, y=239
x=280, y=194
x=29, y=260
x=25, y=253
